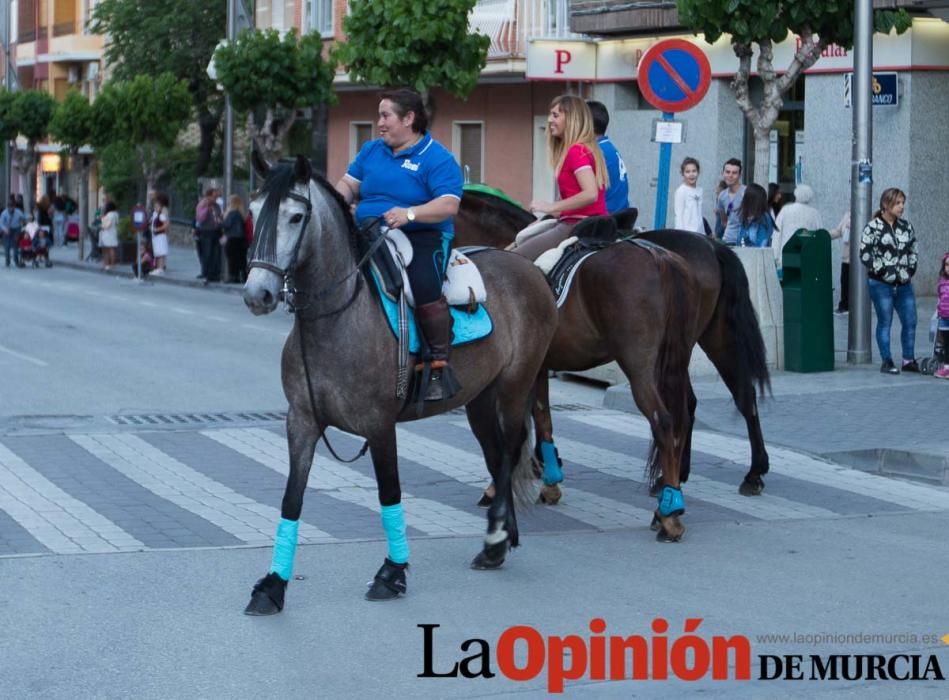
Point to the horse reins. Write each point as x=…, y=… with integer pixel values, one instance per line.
x=289, y=293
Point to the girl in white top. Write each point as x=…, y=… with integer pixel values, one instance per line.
x=109, y=235
x=688, y=198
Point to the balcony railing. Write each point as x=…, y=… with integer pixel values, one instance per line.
x=511, y=24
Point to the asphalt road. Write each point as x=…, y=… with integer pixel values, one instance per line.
x=128, y=546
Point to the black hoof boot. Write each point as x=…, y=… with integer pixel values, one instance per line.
x=486, y=500
x=751, y=486
x=389, y=582
x=491, y=557
x=267, y=596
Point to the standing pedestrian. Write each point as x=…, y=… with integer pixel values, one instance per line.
x=775, y=200
x=11, y=226
x=58, y=207
x=842, y=230
x=109, y=236
x=582, y=179
x=889, y=251
x=617, y=194
x=796, y=215
x=161, y=221
x=754, y=229
x=719, y=230
x=210, y=221
x=688, y=198
x=43, y=217
x=729, y=201
x=235, y=245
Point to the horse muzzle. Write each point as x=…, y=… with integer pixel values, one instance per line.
x=261, y=292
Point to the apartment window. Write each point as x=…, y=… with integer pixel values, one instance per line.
x=320, y=17
x=26, y=21
x=64, y=17
x=87, y=7
x=468, y=146
x=359, y=134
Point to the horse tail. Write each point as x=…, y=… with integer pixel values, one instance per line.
x=741, y=324
x=527, y=467
x=675, y=351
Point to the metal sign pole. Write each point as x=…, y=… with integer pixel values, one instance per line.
x=861, y=182
x=662, y=184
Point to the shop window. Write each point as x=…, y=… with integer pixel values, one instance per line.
x=468, y=147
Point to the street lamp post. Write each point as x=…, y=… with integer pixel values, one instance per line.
x=861, y=181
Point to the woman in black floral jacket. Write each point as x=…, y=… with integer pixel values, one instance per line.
x=888, y=249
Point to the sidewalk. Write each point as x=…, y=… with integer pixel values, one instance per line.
x=182, y=267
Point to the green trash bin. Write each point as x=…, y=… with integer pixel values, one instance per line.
x=808, y=302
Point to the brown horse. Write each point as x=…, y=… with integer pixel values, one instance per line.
x=652, y=344
x=725, y=324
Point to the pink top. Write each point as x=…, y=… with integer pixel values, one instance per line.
x=579, y=157
x=943, y=305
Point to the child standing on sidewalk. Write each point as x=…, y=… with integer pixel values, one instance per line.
x=942, y=307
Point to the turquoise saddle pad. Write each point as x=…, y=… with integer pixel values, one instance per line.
x=466, y=329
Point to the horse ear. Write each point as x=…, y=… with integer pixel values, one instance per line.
x=302, y=169
x=260, y=164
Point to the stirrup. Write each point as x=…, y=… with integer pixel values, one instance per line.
x=436, y=382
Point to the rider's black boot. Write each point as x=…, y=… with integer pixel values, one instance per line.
x=435, y=323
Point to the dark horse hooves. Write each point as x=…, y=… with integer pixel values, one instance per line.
x=486, y=500
x=751, y=486
x=669, y=531
x=491, y=557
x=267, y=596
x=389, y=582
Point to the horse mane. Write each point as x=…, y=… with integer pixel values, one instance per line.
x=501, y=208
x=278, y=184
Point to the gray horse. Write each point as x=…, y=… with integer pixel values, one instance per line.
x=340, y=365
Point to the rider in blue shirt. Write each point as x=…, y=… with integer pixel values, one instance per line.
x=617, y=195
x=413, y=183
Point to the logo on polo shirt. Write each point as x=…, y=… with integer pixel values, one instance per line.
x=409, y=165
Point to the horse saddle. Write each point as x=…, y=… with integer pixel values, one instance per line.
x=463, y=284
x=464, y=289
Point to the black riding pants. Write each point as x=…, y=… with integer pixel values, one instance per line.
x=429, y=262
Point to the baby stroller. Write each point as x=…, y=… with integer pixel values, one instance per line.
x=25, y=248
x=940, y=355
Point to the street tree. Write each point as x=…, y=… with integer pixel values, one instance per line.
x=147, y=113
x=269, y=78
x=174, y=36
x=25, y=113
x=417, y=43
x=817, y=23
x=73, y=126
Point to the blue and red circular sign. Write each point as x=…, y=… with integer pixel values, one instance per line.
x=674, y=75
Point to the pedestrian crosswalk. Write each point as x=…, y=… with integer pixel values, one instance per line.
x=129, y=491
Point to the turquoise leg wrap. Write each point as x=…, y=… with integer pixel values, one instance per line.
x=671, y=501
x=393, y=522
x=284, y=548
x=552, y=473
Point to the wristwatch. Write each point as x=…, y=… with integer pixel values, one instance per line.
x=410, y=214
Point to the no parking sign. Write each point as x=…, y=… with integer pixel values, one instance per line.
x=674, y=76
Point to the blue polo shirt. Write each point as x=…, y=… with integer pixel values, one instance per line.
x=617, y=196
x=413, y=177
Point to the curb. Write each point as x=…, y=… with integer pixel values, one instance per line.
x=219, y=287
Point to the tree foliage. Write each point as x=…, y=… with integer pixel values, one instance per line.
x=73, y=121
x=762, y=23
x=269, y=77
x=174, y=36
x=145, y=112
x=26, y=113
x=418, y=43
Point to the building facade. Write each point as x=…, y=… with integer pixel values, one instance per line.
x=54, y=51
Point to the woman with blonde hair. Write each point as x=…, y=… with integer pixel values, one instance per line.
x=581, y=173
x=235, y=240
